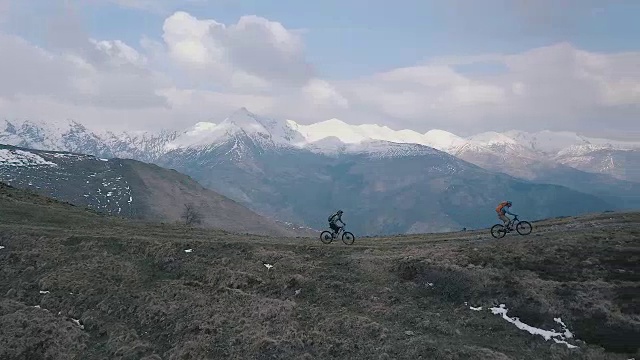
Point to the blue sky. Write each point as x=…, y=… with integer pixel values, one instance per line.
x=563, y=65
x=358, y=37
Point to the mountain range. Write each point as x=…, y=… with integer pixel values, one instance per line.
x=619, y=159
x=387, y=181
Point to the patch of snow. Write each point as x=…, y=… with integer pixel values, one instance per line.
x=559, y=338
x=1, y=247
x=22, y=158
x=268, y=266
x=475, y=308
x=77, y=322
x=188, y=250
x=44, y=292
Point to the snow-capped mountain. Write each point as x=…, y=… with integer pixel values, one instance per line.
x=513, y=152
x=334, y=134
x=268, y=132
x=550, y=142
x=331, y=137
x=141, y=146
x=297, y=172
x=620, y=163
x=53, y=135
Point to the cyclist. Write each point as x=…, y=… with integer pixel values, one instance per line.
x=333, y=219
x=502, y=209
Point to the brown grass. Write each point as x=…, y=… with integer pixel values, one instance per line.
x=139, y=295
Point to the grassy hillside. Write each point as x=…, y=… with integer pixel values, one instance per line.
x=166, y=192
x=78, y=285
x=130, y=189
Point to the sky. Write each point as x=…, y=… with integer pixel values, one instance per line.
x=463, y=66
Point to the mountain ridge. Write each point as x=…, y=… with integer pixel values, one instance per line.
x=128, y=188
x=288, y=133
x=277, y=171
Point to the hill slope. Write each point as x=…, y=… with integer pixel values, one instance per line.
x=517, y=162
x=127, y=188
x=621, y=163
x=110, y=288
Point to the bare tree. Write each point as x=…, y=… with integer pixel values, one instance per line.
x=190, y=215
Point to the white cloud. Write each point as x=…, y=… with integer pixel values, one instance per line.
x=112, y=78
x=556, y=87
x=321, y=93
x=202, y=69
x=254, y=52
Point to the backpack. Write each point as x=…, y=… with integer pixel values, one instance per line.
x=499, y=208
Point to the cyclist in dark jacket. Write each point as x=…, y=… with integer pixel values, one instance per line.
x=333, y=219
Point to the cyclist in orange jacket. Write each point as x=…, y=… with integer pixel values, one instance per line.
x=502, y=210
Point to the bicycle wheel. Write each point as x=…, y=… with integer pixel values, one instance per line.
x=524, y=228
x=326, y=237
x=498, y=231
x=347, y=238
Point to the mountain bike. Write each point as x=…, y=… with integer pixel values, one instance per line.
x=328, y=236
x=522, y=227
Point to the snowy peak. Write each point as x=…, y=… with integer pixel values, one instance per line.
x=245, y=130
x=554, y=142
x=492, y=138
x=333, y=128
x=443, y=140
x=67, y=135
x=547, y=141
x=580, y=150
x=246, y=121
x=264, y=131
x=334, y=132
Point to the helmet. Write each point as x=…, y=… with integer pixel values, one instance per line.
x=508, y=203
x=340, y=211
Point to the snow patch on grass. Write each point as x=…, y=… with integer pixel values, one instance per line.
x=559, y=338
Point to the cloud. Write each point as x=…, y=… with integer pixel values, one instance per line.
x=5, y=8
x=201, y=69
x=254, y=52
x=112, y=77
x=552, y=87
x=499, y=19
x=321, y=93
